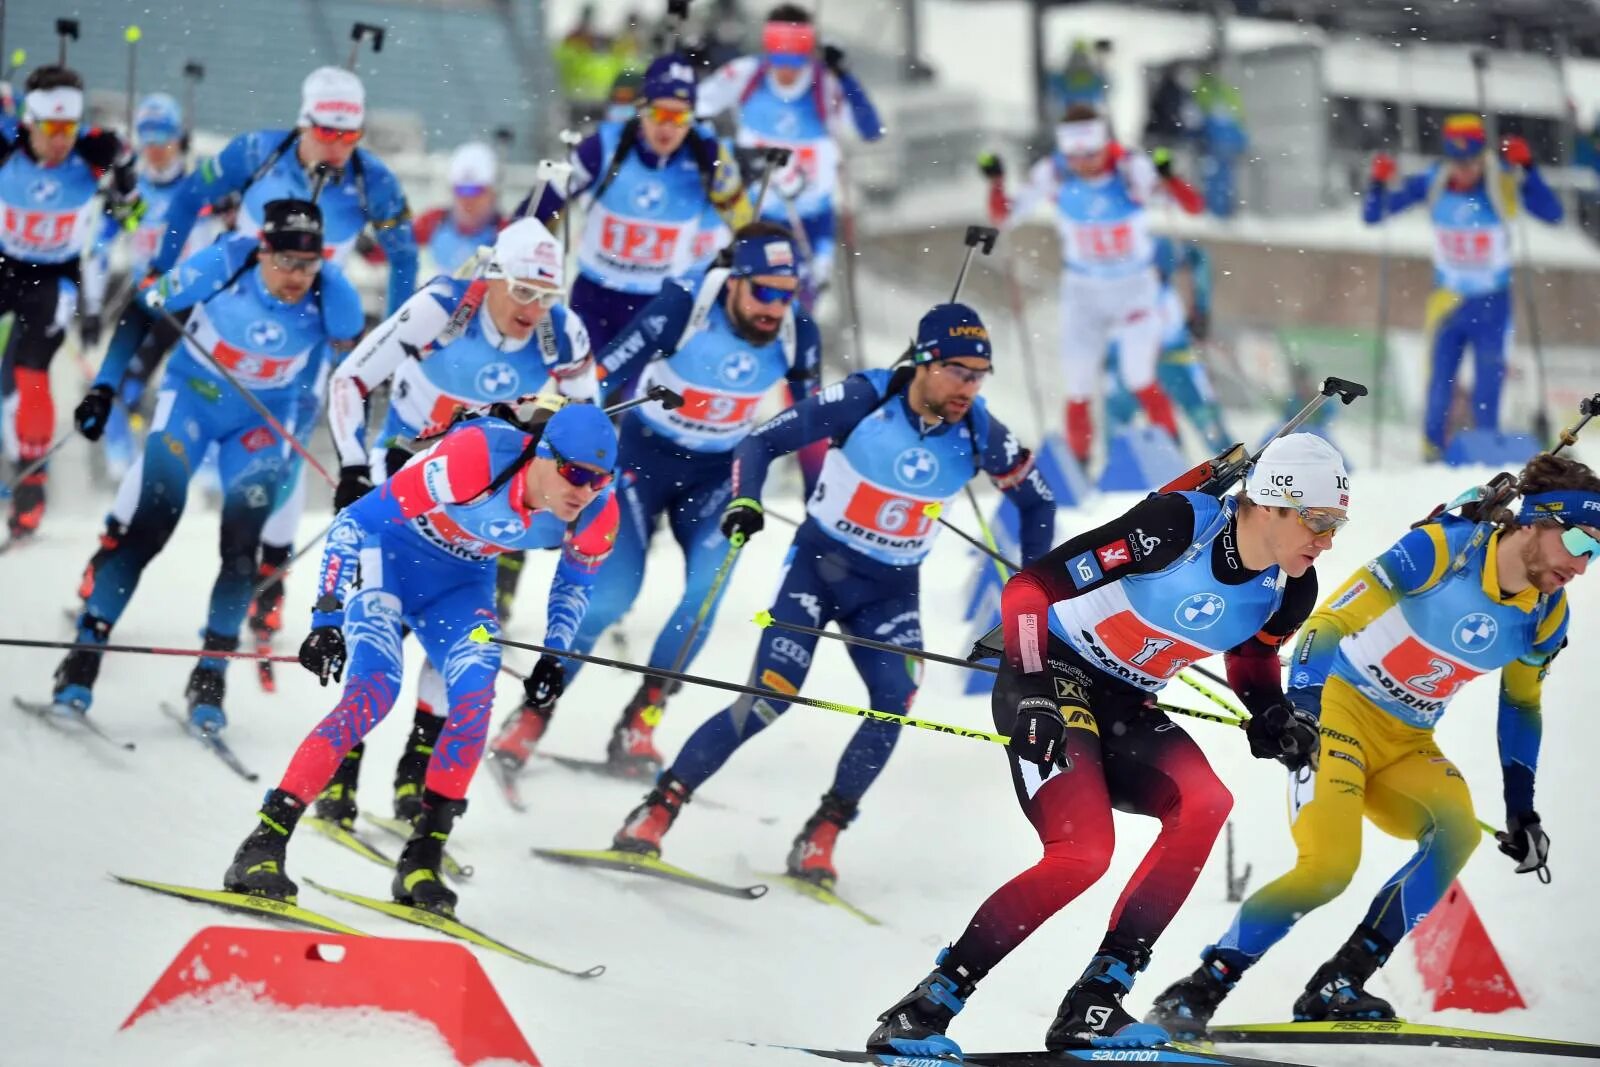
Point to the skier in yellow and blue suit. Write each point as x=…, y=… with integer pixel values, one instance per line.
x=1378, y=663
x=1471, y=200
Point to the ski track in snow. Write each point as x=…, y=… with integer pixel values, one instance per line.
x=689, y=973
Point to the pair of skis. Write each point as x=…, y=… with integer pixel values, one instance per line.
x=363, y=846
x=294, y=914
x=1393, y=1033
x=71, y=720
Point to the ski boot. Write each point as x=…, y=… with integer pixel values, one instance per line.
x=27, y=507
x=337, y=802
x=632, y=750
x=514, y=743
x=811, y=857
x=76, y=674
x=258, y=865
x=110, y=538
x=649, y=822
x=915, y=1024
x=207, y=687
x=417, y=880
x=1092, y=1010
x=413, y=766
x=266, y=609
x=1335, y=991
x=1184, y=1010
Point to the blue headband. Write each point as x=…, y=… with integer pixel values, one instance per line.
x=1570, y=507
x=764, y=255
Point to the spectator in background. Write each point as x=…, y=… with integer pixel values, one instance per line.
x=1083, y=78
x=1222, y=141
x=587, y=63
x=722, y=39
x=451, y=235
x=623, y=103
x=1168, y=123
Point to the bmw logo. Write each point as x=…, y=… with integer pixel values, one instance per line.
x=1475, y=632
x=916, y=467
x=264, y=334
x=44, y=190
x=738, y=368
x=1200, y=611
x=497, y=380
x=503, y=528
x=649, y=196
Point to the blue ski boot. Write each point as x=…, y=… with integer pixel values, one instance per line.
x=1335, y=991
x=915, y=1024
x=1092, y=1010
x=76, y=674
x=206, y=686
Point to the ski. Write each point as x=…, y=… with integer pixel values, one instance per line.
x=400, y=829
x=349, y=839
x=213, y=741
x=1397, y=1032
x=450, y=927
x=264, y=907
x=1176, y=1052
x=505, y=776
x=65, y=714
x=821, y=895
x=604, y=768
x=635, y=863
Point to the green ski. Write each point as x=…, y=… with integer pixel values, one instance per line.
x=262, y=907
x=651, y=866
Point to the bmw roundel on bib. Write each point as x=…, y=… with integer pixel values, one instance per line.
x=1475, y=632
x=1200, y=611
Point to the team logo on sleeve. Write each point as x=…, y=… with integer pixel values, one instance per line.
x=1083, y=570
x=916, y=467
x=1200, y=611
x=1475, y=632
x=1114, y=555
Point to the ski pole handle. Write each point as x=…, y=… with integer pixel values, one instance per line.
x=361, y=30
x=1588, y=408
x=656, y=394
x=977, y=238
x=1347, y=392
x=774, y=157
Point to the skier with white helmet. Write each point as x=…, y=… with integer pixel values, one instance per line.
x=451, y=235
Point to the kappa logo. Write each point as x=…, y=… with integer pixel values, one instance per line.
x=498, y=380
x=810, y=605
x=738, y=368
x=916, y=467
x=264, y=334
x=1475, y=632
x=1200, y=611
x=649, y=196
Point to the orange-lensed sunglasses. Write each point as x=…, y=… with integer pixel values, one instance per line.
x=329, y=135
x=667, y=116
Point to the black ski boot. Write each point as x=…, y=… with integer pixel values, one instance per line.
x=417, y=880
x=811, y=857
x=915, y=1024
x=413, y=766
x=1092, y=1010
x=1335, y=991
x=207, y=688
x=76, y=674
x=1184, y=1010
x=258, y=865
x=337, y=803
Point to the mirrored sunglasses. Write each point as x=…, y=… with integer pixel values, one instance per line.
x=667, y=116
x=1580, y=542
x=771, y=294
x=57, y=127
x=1322, y=520
x=963, y=374
x=329, y=135
x=578, y=475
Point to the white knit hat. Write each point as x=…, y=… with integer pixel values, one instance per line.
x=1300, y=470
x=333, y=97
x=526, y=252
x=473, y=164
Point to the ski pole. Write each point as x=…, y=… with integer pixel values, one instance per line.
x=66, y=29
x=847, y=245
x=250, y=398
x=988, y=535
x=572, y=139
x=735, y=543
x=482, y=635
x=194, y=73
x=1030, y=371
x=935, y=511
x=300, y=553
x=774, y=158
x=677, y=15
x=132, y=35
x=143, y=650
x=10, y=487
x=977, y=237
x=358, y=31
x=556, y=174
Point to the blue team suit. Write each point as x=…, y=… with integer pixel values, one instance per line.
x=856, y=558
x=678, y=462
x=269, y=347
x=1471, y=301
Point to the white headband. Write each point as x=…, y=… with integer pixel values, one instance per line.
x=1083, y=137
x=62, y=103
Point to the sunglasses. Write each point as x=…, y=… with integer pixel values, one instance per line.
x=329, y=135
x=294, y=264
x=771, y=294
x=580, y=476
x=545, y=297
x=57, y=127
x=1579, y=542
x=964, y=375
x=667, y=116
x=1322, y=520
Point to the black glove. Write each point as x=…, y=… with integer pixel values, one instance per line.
x=355, y=482
x=1039, y=732
x=1285, y=733
x=1200, y=324
x=93, y=410
x=1525, y=841
x=833, y=58
x=742, y=519
x=545, y=682
x=991, y=166
x=322, y=653
x=88, y=330
x=1162, y=158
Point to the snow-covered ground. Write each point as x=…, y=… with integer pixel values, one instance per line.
x=690, y=975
